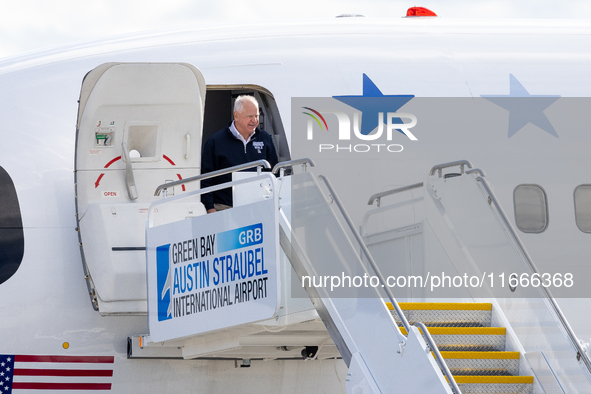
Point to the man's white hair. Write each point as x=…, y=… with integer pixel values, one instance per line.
x=240, y=100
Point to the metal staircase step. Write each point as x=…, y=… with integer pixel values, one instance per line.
x=445, y=314
x=495, y=384
x=482, y=363
x=467, y=338
x=455, y=306
x=473, y=351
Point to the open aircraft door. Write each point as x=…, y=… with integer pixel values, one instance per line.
x=139, y=126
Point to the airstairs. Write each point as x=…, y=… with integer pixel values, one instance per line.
x=511, y=338
x=472, y=349
x=477, y=345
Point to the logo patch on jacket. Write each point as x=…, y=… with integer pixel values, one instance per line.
x=258, y=145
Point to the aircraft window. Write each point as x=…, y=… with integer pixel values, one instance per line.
x=583, y=207
x=12, y=242
x=531, y=208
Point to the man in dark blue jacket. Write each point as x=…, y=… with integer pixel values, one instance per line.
x=239, y=143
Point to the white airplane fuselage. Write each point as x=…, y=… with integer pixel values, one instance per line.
x=44, y=306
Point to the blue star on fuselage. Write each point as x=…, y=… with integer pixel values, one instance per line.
x=524, y=108
x=373, y=101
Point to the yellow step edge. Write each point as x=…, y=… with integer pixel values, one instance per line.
x=462, y=330
x=494, y=379
x=481, y=355
x=442, y=306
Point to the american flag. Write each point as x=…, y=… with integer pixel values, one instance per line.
x=21, y=372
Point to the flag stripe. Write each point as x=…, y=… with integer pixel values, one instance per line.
x=60, y=386
x=62, y=372
x=57, y=373
x=65, y=359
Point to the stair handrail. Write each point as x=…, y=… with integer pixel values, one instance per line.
x=461, y=163
x=438, y=357
x=259, y=163
x=476, y=171
x=291, y=163
x=378, y=196
x=370, y=259
x=573, y=338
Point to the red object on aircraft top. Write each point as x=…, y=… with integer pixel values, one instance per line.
x=420, y=11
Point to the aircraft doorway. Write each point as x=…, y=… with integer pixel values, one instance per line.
x=219, y=104
x=141, y=125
